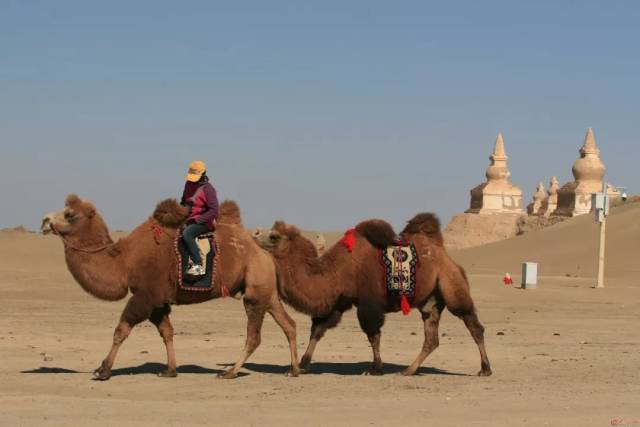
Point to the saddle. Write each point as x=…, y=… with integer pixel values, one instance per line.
x=400, y=265
x=209, y=251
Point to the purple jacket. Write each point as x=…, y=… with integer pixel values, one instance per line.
x=202, y=198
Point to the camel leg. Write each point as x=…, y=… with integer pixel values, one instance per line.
x=477, y=332
x=255, y=316
x=160, y=318
x=376, y=367
x=282, y=318
x=454, y=288
x=137, y=310
x=318, y=328
x=371, y=318
x=431, y=313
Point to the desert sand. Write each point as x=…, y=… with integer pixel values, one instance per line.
x=565, y=354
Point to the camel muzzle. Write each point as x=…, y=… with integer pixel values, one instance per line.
x=47, y=225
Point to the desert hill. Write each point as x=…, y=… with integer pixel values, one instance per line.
x=568, y=248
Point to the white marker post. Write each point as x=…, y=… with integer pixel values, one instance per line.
x=600, y=202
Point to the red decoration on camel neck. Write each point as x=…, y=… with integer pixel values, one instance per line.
x=157, y=232
x=349, y=239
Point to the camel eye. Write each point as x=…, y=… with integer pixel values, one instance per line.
x=69, y=217
x=274, y=238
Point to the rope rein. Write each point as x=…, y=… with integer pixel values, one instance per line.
x=158, y=231
x=68, y=245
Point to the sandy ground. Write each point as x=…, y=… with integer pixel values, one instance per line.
x=565, y=354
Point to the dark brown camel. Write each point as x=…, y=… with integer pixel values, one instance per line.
x=145, y=264
x=324, y=287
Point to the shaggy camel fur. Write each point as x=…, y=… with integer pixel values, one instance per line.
x=324, y=287
x=145, y=263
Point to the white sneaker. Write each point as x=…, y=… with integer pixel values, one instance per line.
x=196, y=270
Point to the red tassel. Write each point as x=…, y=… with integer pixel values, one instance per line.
x=157, y=232
x=349, y=239
x=224, y=291
x=404, y=305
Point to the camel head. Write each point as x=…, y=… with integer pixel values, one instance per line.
x=76, y=216
x=279, y=239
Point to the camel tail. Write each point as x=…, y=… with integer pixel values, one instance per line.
x=425, y=223
x=229, y=213
x=170, y=214
x=378, y=232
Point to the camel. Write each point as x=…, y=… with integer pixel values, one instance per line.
x=145, y=264
x=324, y=287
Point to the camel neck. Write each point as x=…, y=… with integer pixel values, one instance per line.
x=102, y=273
x=311, y=284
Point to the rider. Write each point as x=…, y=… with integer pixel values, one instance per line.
x=200, y=196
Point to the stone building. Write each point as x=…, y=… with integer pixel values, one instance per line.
x=552, y=200
x=538, y=206
x=574, y=198
x=497, y=195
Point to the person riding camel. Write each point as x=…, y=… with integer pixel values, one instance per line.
x=202, y=200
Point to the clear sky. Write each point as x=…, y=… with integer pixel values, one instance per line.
x=321, y=113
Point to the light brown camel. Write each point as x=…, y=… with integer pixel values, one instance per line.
x=145, y=263
x=324, y=287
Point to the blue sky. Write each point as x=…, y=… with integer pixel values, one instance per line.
x=319, y=113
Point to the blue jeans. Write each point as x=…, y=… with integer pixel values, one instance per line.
x=189, y=238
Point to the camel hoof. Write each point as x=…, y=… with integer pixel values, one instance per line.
x=305, y=363
x=227, y=375
x=305, y=366
x=168, y=373
x=485, y=373
x=293, y=373
x=102, y=374
x=406, y=373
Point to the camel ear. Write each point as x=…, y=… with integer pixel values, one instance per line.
x=89, y=210
x=279, y=226
x=72, y=200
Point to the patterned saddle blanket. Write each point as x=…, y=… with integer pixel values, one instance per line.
x=400, y=266
x=209, y=252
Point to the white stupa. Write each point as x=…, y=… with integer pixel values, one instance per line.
x=574, y=198
x=497, y=195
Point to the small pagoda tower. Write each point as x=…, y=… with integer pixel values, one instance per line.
x=552, y=199
x=574, y=198
x=539, y=201
x=497, y=195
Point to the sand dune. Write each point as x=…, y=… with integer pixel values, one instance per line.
x=569, y=248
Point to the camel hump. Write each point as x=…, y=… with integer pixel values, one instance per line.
x=378, y=232
x=229, y=213
x=170, y=214
x=426, y=223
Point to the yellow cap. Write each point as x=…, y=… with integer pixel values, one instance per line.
x=196, y=169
